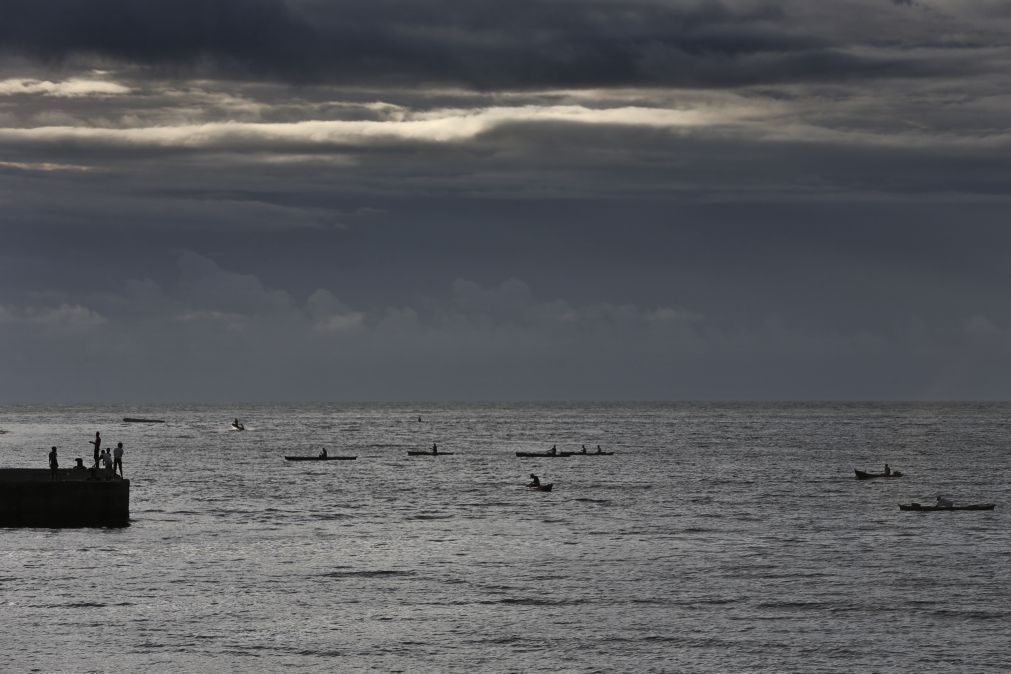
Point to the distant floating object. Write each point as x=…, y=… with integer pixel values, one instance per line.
x=132, y=420
x=320, y=458
x=863, y=475
x=543, y=454
x=236, y=426
x=423, y=452
x=541, y=487
x=916, y=507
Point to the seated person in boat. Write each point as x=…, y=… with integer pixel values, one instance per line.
x=553, y=450
x=599, y=450
x=535, y=481
x=435, y=449
x=943, y=502
x=888, y=469
x=584, y=450
x=322, y=454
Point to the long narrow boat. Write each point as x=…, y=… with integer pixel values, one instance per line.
x=411, y=452
x=863, y=475
x=541, y=487
x=132, y=420
x=548, y=455
x=916, y=507
x=320, y=458
x=592, y=453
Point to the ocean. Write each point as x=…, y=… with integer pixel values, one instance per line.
x=716, y=538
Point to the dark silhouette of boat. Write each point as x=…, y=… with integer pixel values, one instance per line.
x=916, y=507
x=541, y=487
x=320, y=458
x=134, y=420
x=542, y=454
x=412, y=452
x=864, y=475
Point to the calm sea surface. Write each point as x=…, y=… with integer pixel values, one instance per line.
x=718, y=538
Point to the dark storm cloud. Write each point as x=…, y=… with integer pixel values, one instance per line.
x=480, y=44
x=391, y=200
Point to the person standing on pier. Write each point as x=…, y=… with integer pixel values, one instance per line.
x=117, y=460
x=98, y=447
x=54, y=465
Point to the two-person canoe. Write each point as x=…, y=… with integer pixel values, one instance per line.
x=541, y=487
x=916, y=507
x=412, y=452
x=863, y=475
x=320, y=458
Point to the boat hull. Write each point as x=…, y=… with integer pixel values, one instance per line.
x=916, y=507
x=132, y=420
x=320, y=458
x=864, y=475
x=541, y=487
x=542, y=455
x=420, y=453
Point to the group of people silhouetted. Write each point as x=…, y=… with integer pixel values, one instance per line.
x=109, y=459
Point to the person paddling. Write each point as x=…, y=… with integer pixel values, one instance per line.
x=535, y=481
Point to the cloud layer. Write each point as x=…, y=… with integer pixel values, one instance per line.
x=449, y=199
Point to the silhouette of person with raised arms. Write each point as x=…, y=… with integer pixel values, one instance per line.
x=97, y=442
x=54, y=465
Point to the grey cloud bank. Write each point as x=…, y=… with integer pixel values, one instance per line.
x=445, y=200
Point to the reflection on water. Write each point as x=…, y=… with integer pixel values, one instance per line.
x=716, y=538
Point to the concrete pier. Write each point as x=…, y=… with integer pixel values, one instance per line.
x=29, y=497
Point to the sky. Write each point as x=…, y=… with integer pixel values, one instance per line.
x=476, y=200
